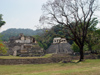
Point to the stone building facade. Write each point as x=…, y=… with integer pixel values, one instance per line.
x=24, y=46
x=59, y=40
x=22, y=39
x=60, y=45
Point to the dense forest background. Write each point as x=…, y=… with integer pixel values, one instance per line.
x=45, y=36
x=5, y=35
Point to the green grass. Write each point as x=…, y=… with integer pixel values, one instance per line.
x=17, y=57
x=88, y=67
x=47, y=55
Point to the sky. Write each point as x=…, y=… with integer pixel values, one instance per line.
x=22, y=13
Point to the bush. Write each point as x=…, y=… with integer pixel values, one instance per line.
x=76, y=48
x=3, y=49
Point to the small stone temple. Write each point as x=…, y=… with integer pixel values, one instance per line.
x=24, y=46
x=59, y=40
x=60, y=45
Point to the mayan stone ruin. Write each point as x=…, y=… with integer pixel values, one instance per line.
x=24, y=46
x=60, y=45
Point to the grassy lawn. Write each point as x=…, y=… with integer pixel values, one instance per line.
x=88, y=67
x=17, y=57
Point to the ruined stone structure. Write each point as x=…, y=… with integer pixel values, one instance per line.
x=59, y=40
x=60, y=45
x=22, y=39
x=24, y=46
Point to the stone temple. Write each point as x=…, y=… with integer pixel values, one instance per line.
x=59, y=45
x=24, y=46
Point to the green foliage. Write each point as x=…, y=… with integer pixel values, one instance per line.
x=98, y=31
x=76, y=48
x=46, y=39
x=47, y=55
x=92, y=25
x=93, y=35
x=1, y=22
x=3, y=49
x=15, y=32
x=40, y=45
x=85, y=48
x=96, y=47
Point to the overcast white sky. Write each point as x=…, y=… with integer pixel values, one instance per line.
x=22, y=13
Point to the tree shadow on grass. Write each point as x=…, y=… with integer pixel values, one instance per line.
x=76, y=61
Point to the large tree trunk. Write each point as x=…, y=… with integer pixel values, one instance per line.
x=81, y=54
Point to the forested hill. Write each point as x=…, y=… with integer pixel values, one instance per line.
x=15, y=32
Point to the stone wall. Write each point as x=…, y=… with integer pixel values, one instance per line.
x=32, y=61
x=55, y=59
x=22, y=49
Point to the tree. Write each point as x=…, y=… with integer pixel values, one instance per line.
x=92, y=36
x=76, y=48
x=1, y=22
x=2, y=46
x=45, y=39
x=75, y=15
x=96, y=42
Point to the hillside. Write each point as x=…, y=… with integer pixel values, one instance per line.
x=15, y=32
